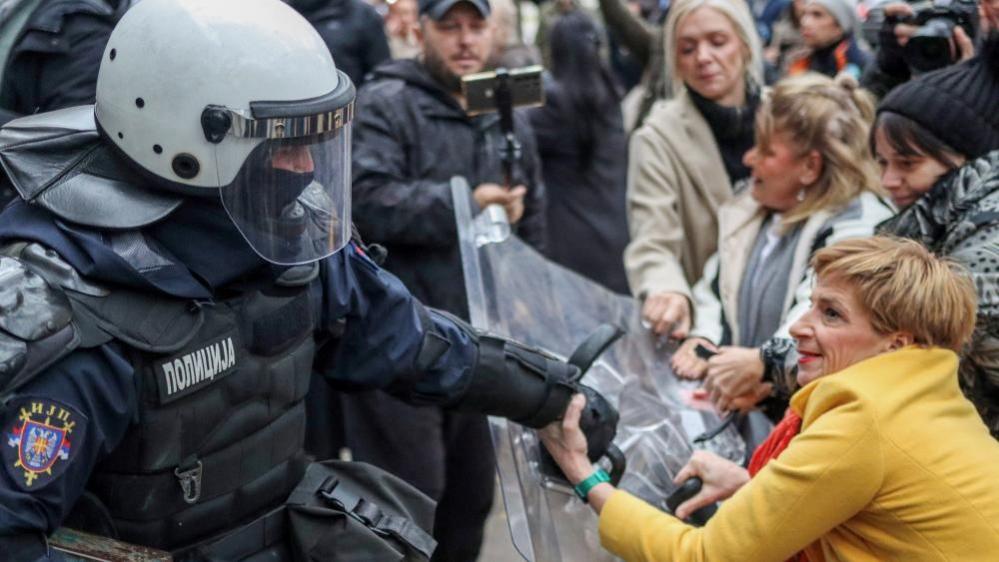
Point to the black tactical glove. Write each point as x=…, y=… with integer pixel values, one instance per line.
x=519, y=383
x=533, y=388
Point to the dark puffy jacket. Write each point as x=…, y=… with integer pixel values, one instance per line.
x=54, y=62
x=959, y=219
x=585, y=195
x=352, y=30
x=410, y=138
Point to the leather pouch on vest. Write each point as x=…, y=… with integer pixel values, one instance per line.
x=354, y=511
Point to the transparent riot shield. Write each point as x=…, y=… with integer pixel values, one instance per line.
x=514, y=291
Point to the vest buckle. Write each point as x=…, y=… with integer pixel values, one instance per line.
x=190, y=482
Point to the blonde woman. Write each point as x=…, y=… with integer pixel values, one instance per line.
x=683, y=161
x=813, y=183
x=880, y=456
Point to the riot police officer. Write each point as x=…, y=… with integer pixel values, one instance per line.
x=181, y=259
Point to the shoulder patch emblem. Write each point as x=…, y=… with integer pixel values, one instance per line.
x=39, y=441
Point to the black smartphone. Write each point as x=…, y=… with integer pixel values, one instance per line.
x=526, y=89
x=703, y=352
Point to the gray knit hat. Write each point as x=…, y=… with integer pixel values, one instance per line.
x=959, y=104
x=843, y=11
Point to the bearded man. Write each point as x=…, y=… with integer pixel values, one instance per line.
x=411, y=136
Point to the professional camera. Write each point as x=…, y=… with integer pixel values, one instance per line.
x=931, y=47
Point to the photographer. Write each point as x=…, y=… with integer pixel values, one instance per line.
x=920, y=37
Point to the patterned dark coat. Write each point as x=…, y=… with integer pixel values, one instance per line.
x=959, y=219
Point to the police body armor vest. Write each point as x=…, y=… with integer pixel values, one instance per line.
x=221, y=420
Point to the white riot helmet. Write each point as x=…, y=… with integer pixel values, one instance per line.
x=239, y=97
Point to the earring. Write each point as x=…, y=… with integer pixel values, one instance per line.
x=801, y=195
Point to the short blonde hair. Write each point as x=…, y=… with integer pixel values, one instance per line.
x=905, y=288
x=737, y=11
x=833, y=118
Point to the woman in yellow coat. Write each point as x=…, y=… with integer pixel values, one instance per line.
x=886, y=458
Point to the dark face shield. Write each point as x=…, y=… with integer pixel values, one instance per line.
x=291, y=199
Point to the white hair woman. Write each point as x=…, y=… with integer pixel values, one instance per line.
x=685, y=158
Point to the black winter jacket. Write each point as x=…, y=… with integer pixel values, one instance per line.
x=54, y=62
x=585, y=193
x=352, y=30
x=410, y=138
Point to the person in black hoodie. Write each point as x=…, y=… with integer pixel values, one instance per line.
x=411, y=135
x=352, y=30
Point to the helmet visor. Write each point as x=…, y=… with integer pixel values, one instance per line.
x=291, y=198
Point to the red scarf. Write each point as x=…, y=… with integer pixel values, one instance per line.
x=776, y=442
x=770, y=449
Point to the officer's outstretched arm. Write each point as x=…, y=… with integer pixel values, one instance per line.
x=514, y=381
x=392, y=341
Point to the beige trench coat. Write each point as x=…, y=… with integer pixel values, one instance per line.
x=676, y=182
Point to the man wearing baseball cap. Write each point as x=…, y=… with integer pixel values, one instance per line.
x=411, y=136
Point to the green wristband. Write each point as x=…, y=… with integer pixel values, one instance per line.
x=582, y=489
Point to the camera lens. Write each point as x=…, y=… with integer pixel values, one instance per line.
x=930, y=47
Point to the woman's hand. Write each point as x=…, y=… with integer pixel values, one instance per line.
x=686, y=364
x=567, y=443
x=734, y=372
x=667, y=314
x=721, y=478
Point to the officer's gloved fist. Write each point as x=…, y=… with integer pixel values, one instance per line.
x=598, y=422
x=533, y=388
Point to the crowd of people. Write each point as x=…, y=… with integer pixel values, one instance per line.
x=807, y=190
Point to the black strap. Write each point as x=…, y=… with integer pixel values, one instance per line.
x=371, y=516
x=434, y=343
x=256, y=536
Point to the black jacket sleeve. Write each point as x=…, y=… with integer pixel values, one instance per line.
x=880, y=81
x=630, y=30
x=56, y=70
